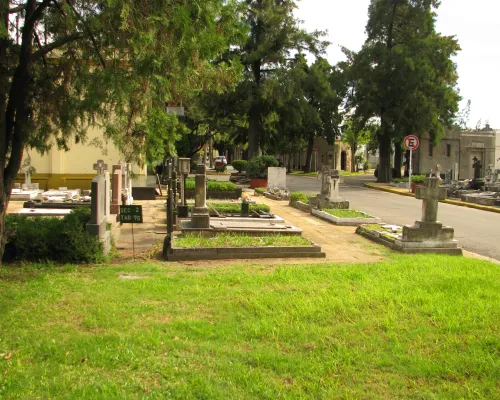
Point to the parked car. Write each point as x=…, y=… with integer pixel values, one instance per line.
x=221, y=159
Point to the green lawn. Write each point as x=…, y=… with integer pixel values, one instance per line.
x=194, y=240
x=413, y=327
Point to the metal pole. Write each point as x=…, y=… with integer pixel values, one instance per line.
x=409, y=170
x=133, y=242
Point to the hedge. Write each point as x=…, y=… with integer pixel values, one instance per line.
x=240, y=165
x=212, y=185
x=62, y=240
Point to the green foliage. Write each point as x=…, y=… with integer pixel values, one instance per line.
x=337, y=212
x=404, y=74
x=260, y=190
x=257, y=166
x=212, y=185
x=49, y=238
x=300, y=196
x=240, y=165
x=414, y=179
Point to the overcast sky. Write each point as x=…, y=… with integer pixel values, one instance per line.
x=475, y=24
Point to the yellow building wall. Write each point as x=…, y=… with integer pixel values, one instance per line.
x=74, y=168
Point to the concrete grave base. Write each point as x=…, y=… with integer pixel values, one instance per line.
x=344, y=221
x=229, y=253
x=396, y=242
x=248, y=225
x=322, y=202
x=274, y=196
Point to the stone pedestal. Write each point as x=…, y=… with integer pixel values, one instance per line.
x=200, y=218
x=330, y=189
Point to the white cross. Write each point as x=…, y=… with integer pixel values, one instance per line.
x=430, y=194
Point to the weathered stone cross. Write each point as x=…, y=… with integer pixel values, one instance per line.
x=100, y=167
x=430, y=194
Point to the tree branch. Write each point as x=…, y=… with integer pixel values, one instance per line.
x=54, y=45
x=37, y=14
x=89, y=32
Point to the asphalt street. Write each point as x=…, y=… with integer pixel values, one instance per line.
x=476, y=230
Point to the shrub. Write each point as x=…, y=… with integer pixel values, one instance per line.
x=221, y=168
x=49, y=238
x=260, y=190
x=300, y=196
x=414, y=179
x=257, y=166
x=212, y=185
x=240, y=165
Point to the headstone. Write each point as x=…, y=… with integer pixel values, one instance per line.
x=489, y=173
x=330, y=190
x=429, y=230
x=116, y=195
x=276, y=183
x=200, y=218
x=276, y=178
x=97, y=223
x=100, y=167
x=107, y=194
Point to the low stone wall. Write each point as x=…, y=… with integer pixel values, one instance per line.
x=344, y=221
x=212, y=194
x=301, y=206
x=228, y=253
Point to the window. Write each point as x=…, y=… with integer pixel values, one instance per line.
x=431, y=148
x=448, y=150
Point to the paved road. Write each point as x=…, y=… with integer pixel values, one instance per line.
x=477, y=231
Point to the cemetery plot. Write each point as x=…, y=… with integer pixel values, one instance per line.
x=427, y=235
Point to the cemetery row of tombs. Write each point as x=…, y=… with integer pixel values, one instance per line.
x=205, y=223
x=483, y=189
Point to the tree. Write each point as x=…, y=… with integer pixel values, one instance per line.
x=76, y=63
x=274, y=34
x=406, y=76
x=357, y=132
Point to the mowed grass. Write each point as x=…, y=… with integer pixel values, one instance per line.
x=195, y=240
x=414, y=327
x=337, y=212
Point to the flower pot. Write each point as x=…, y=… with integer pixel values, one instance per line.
x=245, y=208
x=258, y=182
x=414, y=185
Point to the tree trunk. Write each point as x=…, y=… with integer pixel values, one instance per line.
x=397, y=160
x=310, y=146
x=354, y=149
x=254, y=132
x=384, y=164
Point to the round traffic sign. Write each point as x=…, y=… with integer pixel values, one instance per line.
x=411, y=142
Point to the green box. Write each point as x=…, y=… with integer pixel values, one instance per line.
x=131, y=214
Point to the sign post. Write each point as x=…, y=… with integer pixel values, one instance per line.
x=131, y=215
x=411, y=142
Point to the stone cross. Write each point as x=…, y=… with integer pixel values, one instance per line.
x=100, y=167
x=200, y=218
x=325, y=180
x=430, y=194
x=333, y=187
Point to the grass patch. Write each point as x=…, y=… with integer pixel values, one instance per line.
x=337, y=212
x=194, y=240
x=414, y=327
x=216, y=186
x=299, y=196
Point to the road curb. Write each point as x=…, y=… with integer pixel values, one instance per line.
x=452, y=202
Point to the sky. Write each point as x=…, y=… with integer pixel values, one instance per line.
x=475, y=24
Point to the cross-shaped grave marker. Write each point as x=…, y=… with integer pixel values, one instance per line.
x=100, y=167
x=430, y=194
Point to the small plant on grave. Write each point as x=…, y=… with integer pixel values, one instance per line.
x=299, y=196
x=260, y=191
x=239, y=165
